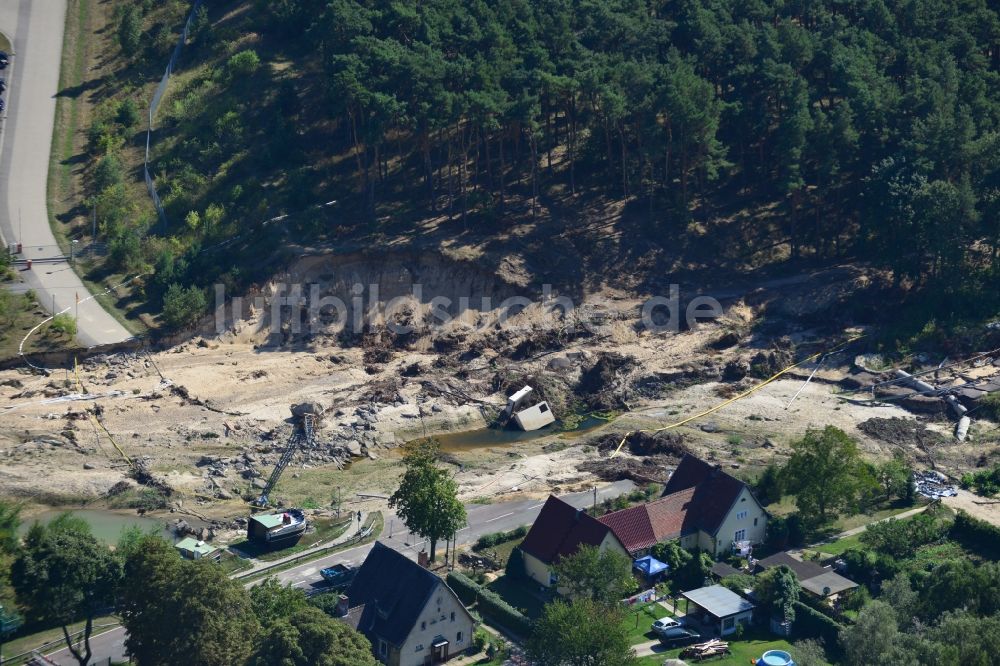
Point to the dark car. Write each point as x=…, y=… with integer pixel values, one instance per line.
x=3, y=85
x=679, y=636
x=3, y=105
x=4, y=59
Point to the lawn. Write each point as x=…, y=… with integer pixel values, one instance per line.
x=744, y=652
x=500, y=553
x=638, y=620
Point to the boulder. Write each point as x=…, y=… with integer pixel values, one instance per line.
x=301, y=409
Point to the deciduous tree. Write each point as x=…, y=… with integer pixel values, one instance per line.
x=580, y=633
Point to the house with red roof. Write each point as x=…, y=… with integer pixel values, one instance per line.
x=702, y=506
x=558, y=531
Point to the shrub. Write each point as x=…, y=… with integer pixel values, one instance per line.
x=242, y=64
x=515, y=564
x=63, y=324
x=976, y=534
x=128, y=113
x=108, y=172
x=130, y=31
x=810, y=623
x=490, y=603
x=181, y=306
x=497, y=538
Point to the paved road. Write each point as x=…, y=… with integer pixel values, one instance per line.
x=35, y=29
x=483, y=519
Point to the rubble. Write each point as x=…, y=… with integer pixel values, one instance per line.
x=933, y=485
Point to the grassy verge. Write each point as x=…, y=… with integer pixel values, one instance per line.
x=83, y=66
x=5, y=43
x=375, y=519
x=21, y=314
x=49, y=639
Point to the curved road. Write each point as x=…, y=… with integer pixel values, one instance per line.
x=35, y=28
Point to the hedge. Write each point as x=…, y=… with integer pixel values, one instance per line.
x=490, y=603
x=464, y=587
x=977, y=535
x=810, y=623
x=497, y=538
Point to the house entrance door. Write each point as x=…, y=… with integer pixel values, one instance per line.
x=440, y=651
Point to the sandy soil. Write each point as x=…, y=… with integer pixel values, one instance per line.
x=212, y=415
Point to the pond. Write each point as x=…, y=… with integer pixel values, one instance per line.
x=106, y=525
x=486, y=437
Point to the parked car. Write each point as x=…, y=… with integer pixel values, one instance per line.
x=663, y=624
x=679, y=636
x=3, y=105
x=3, y=85
x=4, y=59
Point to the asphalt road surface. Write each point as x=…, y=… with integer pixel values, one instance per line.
x=483, y=519
x=35, y=28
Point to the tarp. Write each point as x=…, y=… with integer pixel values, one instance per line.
x=649, y=565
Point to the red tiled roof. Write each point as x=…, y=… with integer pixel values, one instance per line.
x=643, y=526
x=715, y=492
x=560, y=529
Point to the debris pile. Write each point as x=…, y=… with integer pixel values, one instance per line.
x=933, y=485
x=646, y=444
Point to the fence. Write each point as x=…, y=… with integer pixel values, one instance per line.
x=155, y=104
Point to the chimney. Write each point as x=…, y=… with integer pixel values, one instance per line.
x=343, y=605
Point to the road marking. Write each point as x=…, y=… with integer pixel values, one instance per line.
x=535, y=506
x=499, y=517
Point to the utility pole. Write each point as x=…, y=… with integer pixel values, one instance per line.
x=595, y=498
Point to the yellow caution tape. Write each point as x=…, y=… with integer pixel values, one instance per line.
x=79, y=386
x=738, y=397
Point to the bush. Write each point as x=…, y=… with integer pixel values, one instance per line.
x=497, y=538
x=975, y=534
x=490, y=603
x=810, y=623
x=181, y=306
x=108, y=172
x=130, y=31
x=63, y=324
x=985, y=482
x=901, y=538
x=128, y=113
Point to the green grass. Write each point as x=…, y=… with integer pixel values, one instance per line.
x=638, y=620
x=744, y=652
x=517, y=594
x=45, y=638
x=4, y=43
x=840, y=545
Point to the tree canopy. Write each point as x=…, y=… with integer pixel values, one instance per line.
x=825, y=473
x=590, y=573
x=427, y=497
x=580, y=633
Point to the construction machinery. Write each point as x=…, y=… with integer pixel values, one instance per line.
x=302, y=436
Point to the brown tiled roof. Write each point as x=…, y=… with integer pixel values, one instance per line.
x=560, y=529
x=714, y=491
x=642, y=526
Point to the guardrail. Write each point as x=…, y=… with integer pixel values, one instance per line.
x=21, y=658
x=360, y=536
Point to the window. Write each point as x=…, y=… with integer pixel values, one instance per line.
x=383, y=648
x=543, y=408
x=741, y=535
x=420, y=648
x=728, y=623
x=453, y=616
x=755, y=522
x=423, y=625
x=458, y=638
x=741, y=515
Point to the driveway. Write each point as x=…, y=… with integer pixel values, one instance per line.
x=483, y=519
x=35, y=29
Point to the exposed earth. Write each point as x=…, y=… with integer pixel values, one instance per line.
x=210, y=416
